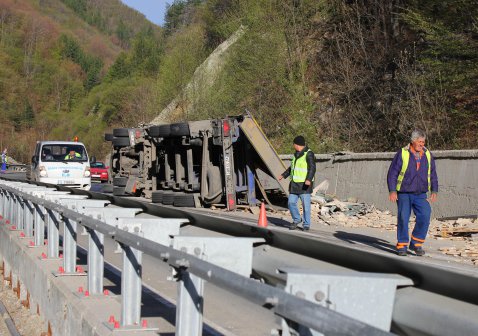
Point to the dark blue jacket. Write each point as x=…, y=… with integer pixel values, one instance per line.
x=414, y=181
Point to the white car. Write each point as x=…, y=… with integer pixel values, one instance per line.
x=61, y=162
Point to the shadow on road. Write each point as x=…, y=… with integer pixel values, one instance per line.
x=354, y=238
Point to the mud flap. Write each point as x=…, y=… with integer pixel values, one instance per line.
x=130, y=187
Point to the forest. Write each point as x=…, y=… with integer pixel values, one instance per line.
x=349, y=75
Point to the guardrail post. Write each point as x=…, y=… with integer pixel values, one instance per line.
x=53, y=219
x=95, y=262
x=69, y=245
x=189, y=310
x=2, y=199
x=39, y=222
x=131, y=286
x=69, y=234
x=28, y=211
x=53, y=232
x=158, y=230
x=96, y=243
x=13, y=209
x=8, y=207
x=20, y=205
x=234, y=254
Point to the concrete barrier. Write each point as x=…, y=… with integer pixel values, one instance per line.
x=364, y=176
x=52, y=297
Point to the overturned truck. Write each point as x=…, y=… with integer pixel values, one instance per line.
x=196, y=163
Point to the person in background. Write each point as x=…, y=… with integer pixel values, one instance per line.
x=412, y=174
x=4, y=160
x=301, y=172
x=72, y=155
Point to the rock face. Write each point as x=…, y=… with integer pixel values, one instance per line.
x=204, y=76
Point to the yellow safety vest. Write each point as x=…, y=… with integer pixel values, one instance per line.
x=298, y=168
x=77, y=155
x=405, y=160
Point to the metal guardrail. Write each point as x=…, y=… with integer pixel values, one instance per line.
x=30, y=207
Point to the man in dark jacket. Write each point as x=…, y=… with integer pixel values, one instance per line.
x=412, y=174
x=301, y=171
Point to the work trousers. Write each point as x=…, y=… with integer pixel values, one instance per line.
x=294, y=210
x=422, y=210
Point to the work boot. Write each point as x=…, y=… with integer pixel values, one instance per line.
x=402, y=252
x=419, y=251
x=293, y=226
x=306, y=228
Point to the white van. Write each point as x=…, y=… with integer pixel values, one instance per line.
x=61, y=162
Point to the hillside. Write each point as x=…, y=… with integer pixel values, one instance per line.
x=50, y=58
x=349, y=75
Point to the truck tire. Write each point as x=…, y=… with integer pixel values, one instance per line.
x=118, y=191
x=160, y=131
x=157, y=196
x=184, y=200
x=168, y=198
x=179, y=129
x=121, y=142
x=120, y=181
x=109, y=137
x=121, y=132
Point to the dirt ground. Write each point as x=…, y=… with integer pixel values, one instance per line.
x=27, y=322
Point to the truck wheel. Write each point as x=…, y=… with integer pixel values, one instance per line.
x=121, y=132
x=184, y=200
x=157, y=196
x=121, y=142
x=109, y=137
x=160, y=131
x=120, y=181
x=118, y=191
x=168, y=198
x=179, y=129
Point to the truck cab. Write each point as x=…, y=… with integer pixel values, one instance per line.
x=61, y=162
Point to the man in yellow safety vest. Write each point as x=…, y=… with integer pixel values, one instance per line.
x=301, y=172
x=72, y=155
x=412, y=174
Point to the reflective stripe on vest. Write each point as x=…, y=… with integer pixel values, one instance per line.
x=298, y=169
x=405, y=160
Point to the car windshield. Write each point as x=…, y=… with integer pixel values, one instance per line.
x=64, y=153
x=97, y=165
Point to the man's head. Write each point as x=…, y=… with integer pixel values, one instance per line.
x=72, y=152
x=299, y=143
x=418, y=140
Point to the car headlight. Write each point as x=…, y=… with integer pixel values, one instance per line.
x=43, y=172
x=87, y=172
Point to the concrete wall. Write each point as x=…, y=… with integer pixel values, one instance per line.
x=53, y=296
x=364, y=176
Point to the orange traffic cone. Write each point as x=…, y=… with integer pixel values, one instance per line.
x=262, y=222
